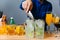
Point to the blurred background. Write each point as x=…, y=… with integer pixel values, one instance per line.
x=11, y=9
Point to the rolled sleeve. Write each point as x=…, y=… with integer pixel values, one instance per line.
x=21, y=4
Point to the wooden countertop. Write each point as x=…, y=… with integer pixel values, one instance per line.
x=16, y=37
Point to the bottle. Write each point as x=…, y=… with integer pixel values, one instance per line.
x=12, y=20
x=11, y=27
x=3, y=27
x=4, y=21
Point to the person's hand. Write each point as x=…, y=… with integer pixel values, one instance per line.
x=27, y=5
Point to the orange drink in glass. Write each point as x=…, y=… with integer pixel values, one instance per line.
x=48, y=19
x=3, y=29
x=56, y=20
x=53, y=19
x=19, y=30
x=11, y=29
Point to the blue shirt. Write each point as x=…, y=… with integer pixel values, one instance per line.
x=39, y=10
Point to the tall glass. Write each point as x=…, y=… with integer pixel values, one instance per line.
x=39, y=29
x=57, y=25
x=49, y=21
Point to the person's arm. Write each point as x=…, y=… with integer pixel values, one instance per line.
x=26, y=5
x=28, y=0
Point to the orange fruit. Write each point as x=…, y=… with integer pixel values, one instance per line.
x=3, y=30
x=20, y=30
x=11, y=30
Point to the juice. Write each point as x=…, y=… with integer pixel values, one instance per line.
x=56, y=20
x=3, y=29
x=11, y=29
x=48, y=19
x=20, y=30
x=53, y=19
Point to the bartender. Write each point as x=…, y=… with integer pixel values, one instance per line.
x=39, y=8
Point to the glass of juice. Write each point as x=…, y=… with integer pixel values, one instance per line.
x=48, y=19
x=20, y=30
x=11, y=29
